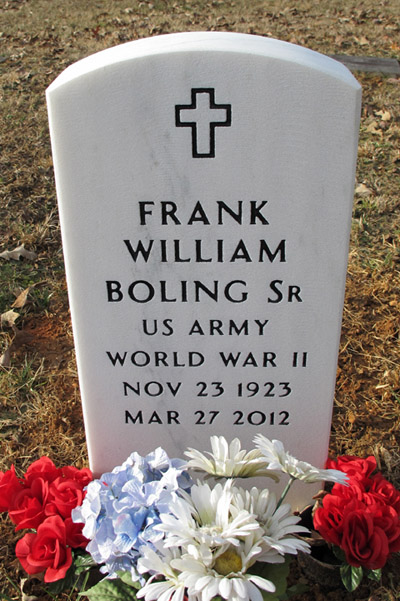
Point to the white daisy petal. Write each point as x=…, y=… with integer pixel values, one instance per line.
x=159, y=563
x=207, y=518
x=240, y=587
x=253, y=592
x=178, y=595
x=166, y=595
x=279, y=526
x=203, y=582
x=209, y=593
x=278, y=459
x=154, y=590
x=229, y=461
x=266, y=585
x=225, y=587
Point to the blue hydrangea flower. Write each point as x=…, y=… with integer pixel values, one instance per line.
x=122, y=508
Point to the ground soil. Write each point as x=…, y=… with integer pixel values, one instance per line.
x=39, y=393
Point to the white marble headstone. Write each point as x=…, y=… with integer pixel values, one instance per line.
x=205, y=185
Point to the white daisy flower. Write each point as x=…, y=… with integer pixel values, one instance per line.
x=278, y=459
x=171, y=588
x=226, y=576
x=205, y=517
x=279, y=525
x=229, y=460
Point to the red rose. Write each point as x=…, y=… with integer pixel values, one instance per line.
x=364, y=542
x=328, y=519
x=29, y=505
x=43, y=468
x=353, y=490
x=362, y=518
x=355, y=467
x=386, y=518
x=83, y=476
x=10, y=485
x=384, y=491
x=46, y=550
x=75, y=538
x=64, y=496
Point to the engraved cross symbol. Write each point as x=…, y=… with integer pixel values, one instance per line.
x=203, y=115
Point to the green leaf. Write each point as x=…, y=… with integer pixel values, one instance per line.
x=339, y=553
x=110, y=590
x=374, y=575
x=351, y=576
x=127, y=579
x=295, y=589
x=64, y=584
x=277, y=573
x=83, y=563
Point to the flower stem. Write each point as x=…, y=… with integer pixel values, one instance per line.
x=285, y=492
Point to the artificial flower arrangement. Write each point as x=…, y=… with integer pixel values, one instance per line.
x=41, y=502
x=151, y=531
x=360, y=521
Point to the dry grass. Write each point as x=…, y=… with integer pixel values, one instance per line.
x=40, y=405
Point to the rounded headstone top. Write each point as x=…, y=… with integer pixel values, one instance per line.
x=204, y=41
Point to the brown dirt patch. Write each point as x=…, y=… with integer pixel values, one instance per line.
x=50, y=337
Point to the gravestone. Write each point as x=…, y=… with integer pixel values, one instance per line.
x=205, y=185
